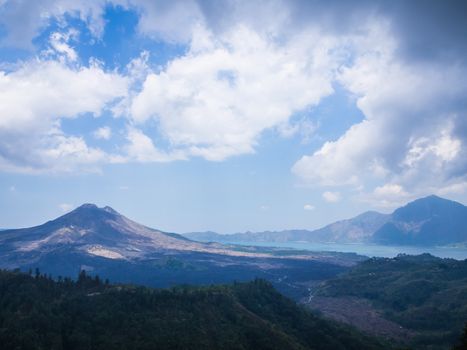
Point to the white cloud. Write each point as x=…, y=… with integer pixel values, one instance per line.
x=141, y=148
x=308, y=207
x=103, y=133
x=65, y=207
x=33, y=100
x=390, y=190
x=304, y=127
x=42, y=91
x=453, y=188
x=244, y=72
x=171, y=21
x=216, y=100
x=444, y=148
x=336, y=163
x=24, y=19
x=412, y=132
x=387, y=196
x=331, y=197
x=71, y=150
x=60, y=46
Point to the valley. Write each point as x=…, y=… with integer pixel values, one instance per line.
x=410, y=300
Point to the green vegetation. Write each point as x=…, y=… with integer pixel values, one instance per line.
x=39, y=313
x=422, y=293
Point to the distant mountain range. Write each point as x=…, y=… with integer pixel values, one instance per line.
x=104, y=242
x=425, y=222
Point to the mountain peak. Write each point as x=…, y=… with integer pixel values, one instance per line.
x=426, y=221
x=91, y=207
x=88, y=206
x=427, y=207
x=432, y=198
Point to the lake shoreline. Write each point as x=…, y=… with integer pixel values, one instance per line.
x=370, y=250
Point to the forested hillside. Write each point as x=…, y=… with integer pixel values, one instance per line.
x=423, y=294
x=40, y=313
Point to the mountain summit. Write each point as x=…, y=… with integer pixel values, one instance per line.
x=426, y=221
x=104, y=242
x=94, y=231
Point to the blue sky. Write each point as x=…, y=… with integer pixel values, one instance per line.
x=230, y=116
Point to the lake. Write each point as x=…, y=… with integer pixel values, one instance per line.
x=371, y=250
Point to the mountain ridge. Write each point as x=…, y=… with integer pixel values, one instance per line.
x=368, y=227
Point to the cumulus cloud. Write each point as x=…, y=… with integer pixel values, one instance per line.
x=172, y=21
x=389, y=195
x=413, y=133
x=331, y=197
x=40, y=91
x=24, y=19
x=33, y=100
x=60, y=46
x=216, y=100
x=248, y=67
x=141, y=148
x=454, y=188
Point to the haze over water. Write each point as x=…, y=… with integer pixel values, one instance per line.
x=371, y=250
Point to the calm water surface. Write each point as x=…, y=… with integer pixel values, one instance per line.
x=371, y=250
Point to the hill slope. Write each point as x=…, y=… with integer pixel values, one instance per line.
x=356, y=230
x=38, y=313
x=99, y=232
x=425, y=295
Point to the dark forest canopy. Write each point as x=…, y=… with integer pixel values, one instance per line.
x=423, y=294
x=38, y=312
